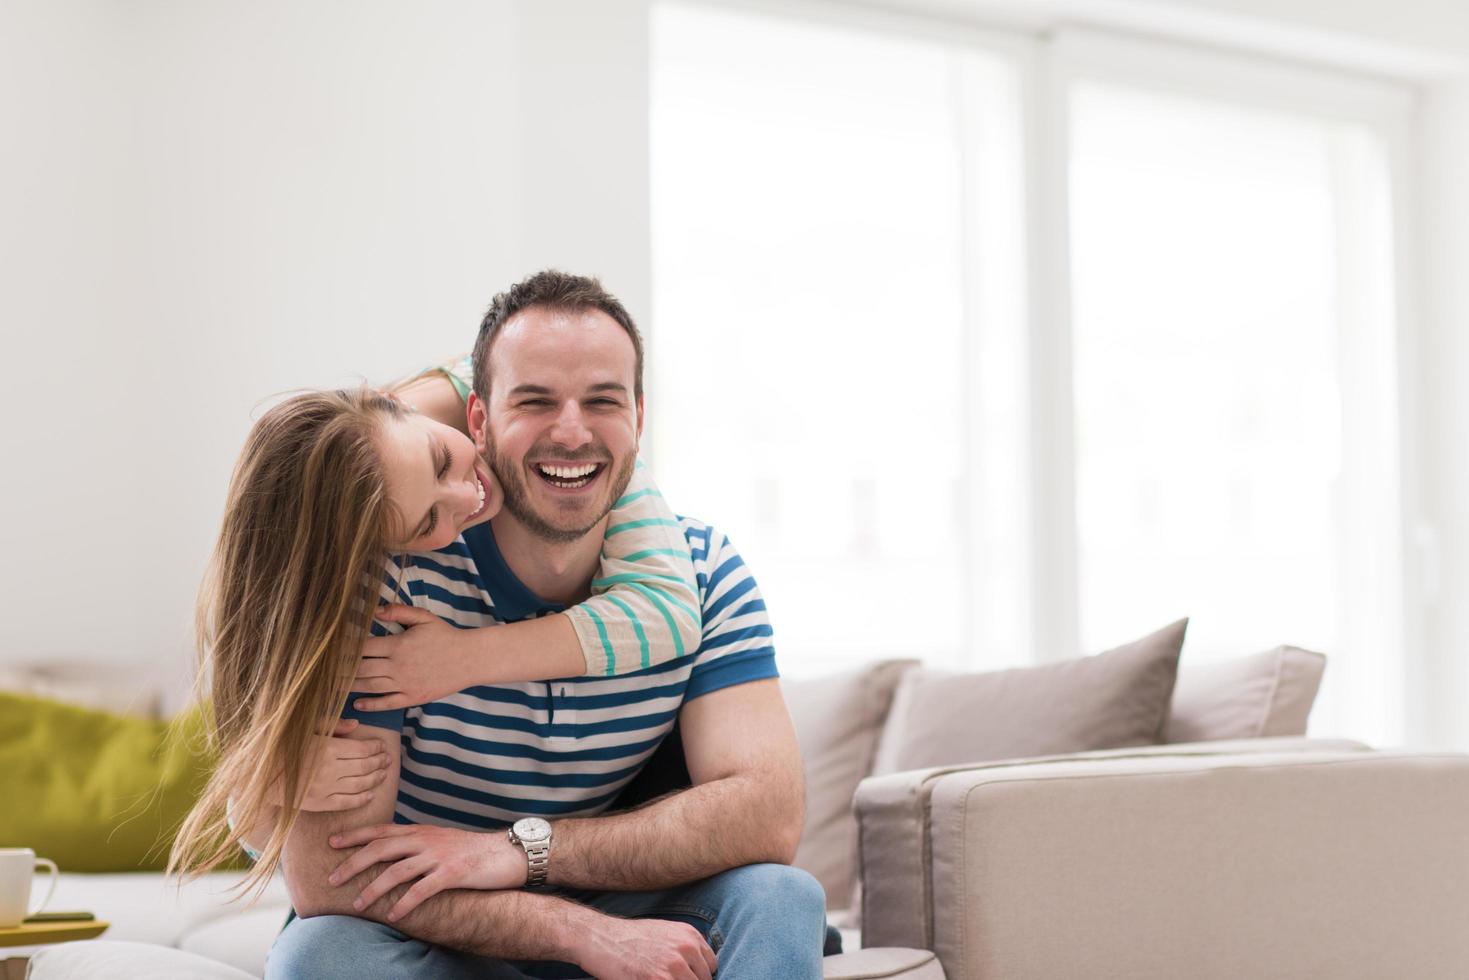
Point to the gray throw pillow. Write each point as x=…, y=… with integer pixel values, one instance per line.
x=838, y=719
x=1259, y=696
x=1110, y=700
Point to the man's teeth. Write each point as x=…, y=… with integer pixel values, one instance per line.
x=568, y=472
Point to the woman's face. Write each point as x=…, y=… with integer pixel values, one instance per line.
x=437, y=482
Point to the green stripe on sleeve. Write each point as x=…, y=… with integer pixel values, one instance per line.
x=650, y=552
x=618, y=579
x=667, y=617
x=606, y=642
x=646, y=522
x=629, y=498
x=637, y=628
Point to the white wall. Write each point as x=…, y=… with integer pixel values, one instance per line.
x=204, y=203
x=66, y=475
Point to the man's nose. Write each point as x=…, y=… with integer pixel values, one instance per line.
x=570, y=430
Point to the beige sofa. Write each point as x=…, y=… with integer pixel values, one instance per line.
x=1301, y=858
x=1267, y=855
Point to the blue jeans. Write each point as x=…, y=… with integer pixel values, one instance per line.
x=763, y=921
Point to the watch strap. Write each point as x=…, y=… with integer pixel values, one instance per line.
x=538, y=862
x=538, y=859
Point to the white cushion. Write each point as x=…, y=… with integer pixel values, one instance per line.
x=243, y=939
x=146, y=907
x=883, y=963
x=100, y=959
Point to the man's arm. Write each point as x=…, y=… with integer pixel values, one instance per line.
x=747, y=804
x=465, y=920
x=505, y=924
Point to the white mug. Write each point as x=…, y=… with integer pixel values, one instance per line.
x=17, y=867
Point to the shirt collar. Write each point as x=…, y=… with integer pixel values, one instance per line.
x=512, y=599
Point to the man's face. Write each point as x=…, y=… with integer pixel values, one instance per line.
x=561, y=428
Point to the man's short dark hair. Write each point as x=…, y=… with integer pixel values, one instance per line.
x=550, y=289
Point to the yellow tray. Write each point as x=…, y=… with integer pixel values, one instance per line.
x=36, y=933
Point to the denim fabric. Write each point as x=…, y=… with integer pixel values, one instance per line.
x=762, y=921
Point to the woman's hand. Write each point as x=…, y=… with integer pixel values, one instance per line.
x=438, y=857
x=428, y=660
x=345, y=773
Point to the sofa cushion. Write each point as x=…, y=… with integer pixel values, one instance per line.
x=101, y=959
x=241, y=939
x=838, y=720
x=1262, y=695
x=147, y=907
x=883, y=963
x=1110, y=700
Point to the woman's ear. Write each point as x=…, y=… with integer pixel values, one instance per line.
x=478, y=421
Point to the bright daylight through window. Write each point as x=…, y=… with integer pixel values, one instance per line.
x=810, y=241
x=1220, y=383
x=842, y=220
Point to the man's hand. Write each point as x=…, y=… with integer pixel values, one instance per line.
x=427, y=661
x=344, y=773
x=637, y=948
x=439, y=857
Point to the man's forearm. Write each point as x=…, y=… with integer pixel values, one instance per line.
x=505, y=924
x=747, y=805
x=511, y=925
x=681, y=838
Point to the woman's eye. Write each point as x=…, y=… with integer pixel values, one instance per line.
x=448, y=462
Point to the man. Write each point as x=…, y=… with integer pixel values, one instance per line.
x=691, y=882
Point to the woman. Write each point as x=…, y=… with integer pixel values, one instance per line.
x=318, y=504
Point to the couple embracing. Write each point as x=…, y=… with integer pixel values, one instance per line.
x=486, y=703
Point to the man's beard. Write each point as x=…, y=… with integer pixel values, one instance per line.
x=517, y=494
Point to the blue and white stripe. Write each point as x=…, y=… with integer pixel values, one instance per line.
x=487, y=756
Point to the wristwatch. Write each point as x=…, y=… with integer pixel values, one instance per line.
x=534, y=836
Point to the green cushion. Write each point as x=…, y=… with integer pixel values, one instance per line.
x=95, y=791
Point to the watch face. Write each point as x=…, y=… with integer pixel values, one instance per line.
x=532, y=830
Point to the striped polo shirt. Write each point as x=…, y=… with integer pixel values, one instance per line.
x=489, y=755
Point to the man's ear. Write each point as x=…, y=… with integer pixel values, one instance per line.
x=478, y=419
x=640, y=418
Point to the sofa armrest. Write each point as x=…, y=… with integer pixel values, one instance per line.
x=1342, y=864
x=894, y=833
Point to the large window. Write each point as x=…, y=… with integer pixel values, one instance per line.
x=816, y=296
x=1009, y=349
x=1223, y=465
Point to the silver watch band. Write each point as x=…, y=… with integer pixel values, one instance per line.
x=537, y=856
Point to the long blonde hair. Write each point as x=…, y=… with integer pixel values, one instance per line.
x=284, y=608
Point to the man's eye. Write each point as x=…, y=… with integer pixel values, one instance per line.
x=605, y=401
x=534, y=403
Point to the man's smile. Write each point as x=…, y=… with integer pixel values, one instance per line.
x=568, y=476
